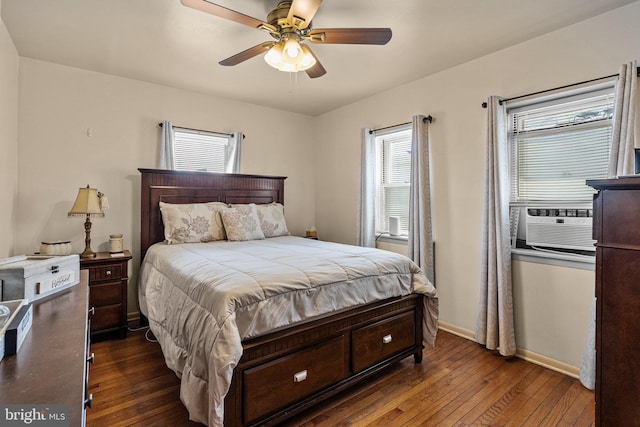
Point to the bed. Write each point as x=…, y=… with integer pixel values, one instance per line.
x=259, y=330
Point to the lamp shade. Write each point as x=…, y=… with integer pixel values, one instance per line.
x=87, y=203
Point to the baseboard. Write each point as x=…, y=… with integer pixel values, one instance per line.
x=548, y=362
x=527, y=355
x=131, y=317
x=456, y=330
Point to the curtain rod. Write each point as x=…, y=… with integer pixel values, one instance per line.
x=484, y=104
x=200, y=130
x=426, y=119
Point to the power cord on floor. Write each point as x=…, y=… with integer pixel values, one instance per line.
x=146, y=334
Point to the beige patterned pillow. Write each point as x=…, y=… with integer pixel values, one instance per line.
x=241, y=223
x=272, y=220
x=193, y=222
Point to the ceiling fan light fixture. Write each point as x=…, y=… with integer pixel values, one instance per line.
x=288, y=67
x=308, y=60
x=274, y=57
x=292, y=48
x=279, y=58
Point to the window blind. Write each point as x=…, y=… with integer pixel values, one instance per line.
x=555, y=148
x=199, y=150
x=394, y=170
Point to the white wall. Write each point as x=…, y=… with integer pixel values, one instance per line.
x=9, y=62
x=78, y=127
x=551, y=303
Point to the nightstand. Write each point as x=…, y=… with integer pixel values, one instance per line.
x=108, y=282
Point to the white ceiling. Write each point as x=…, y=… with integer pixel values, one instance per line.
x=164, y=42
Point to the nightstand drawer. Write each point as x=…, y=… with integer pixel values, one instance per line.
x=107, y=272
x=105, y=294
x=381, y=339
x=106, y=317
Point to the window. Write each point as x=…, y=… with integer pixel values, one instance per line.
x=555, y=145
x=196, y=150
x=393, y=170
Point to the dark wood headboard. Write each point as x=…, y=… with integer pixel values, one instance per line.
x=161, y=185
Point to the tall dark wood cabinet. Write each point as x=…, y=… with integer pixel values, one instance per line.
x=616, y=229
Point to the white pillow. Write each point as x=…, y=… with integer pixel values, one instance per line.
x=193, y=222
x=241, y=223
x=272, y=220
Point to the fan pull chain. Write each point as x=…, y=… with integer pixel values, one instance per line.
x=293, y=82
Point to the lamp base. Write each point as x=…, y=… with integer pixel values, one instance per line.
x=87, y=253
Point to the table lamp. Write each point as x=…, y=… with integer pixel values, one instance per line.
x=87, y=204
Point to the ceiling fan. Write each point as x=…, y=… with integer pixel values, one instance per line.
x=290, y=25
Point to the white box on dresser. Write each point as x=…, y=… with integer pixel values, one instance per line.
x=35, y=277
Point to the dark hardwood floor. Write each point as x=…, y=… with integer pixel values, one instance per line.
x=458, y=383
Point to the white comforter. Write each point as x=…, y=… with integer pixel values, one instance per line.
x=202, y=299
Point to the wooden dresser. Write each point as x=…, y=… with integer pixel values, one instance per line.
x=616, y=229
x=52, y=367
x=108, y=283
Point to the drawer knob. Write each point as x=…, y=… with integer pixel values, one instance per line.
x=300, y=376
x=89, y=401
x=91, y=358
x=108, y=272
x=387, y=339
x=92, y=311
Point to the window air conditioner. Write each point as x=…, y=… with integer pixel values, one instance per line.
x=566, y=228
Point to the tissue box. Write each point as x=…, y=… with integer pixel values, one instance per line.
x=38, y=276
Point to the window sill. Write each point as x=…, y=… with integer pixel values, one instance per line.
x=398, y=240
x=583, y=262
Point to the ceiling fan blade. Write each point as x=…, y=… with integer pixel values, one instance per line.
x=247, y=54
x=229, y=14
x=301, y=12
x=317, y=70
x=378, y=36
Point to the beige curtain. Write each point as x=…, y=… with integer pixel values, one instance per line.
x=494, y=325
x=366, y=233
x=620, y=163
x=233, y=153
x=625, y=107
x=420, y=242
x=166, y=160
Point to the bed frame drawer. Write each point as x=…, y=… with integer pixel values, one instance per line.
x=379, y=340
x=290, y=378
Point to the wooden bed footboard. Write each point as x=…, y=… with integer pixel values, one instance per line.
x=284, y=373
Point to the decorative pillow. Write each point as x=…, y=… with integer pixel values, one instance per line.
x=241, y=222
x=193, y=222
x=272, y=220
